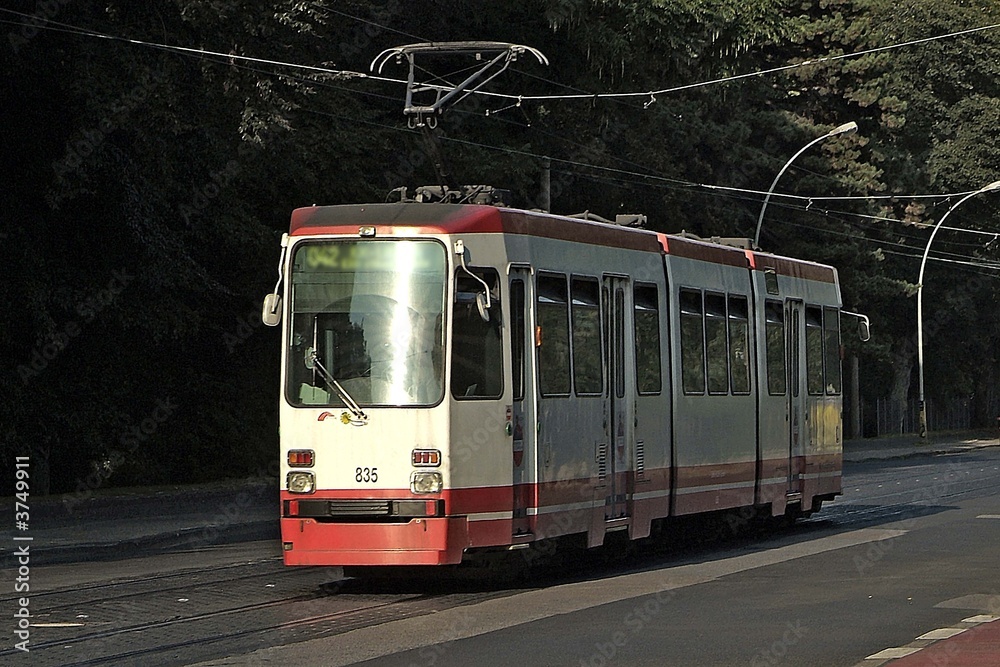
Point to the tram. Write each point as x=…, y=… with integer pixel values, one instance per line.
x=463, y=378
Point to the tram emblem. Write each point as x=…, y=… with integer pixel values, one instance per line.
x=344, y=418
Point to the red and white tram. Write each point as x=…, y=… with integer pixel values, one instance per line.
x=468, y=377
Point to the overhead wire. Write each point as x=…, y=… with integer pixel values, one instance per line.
x=202, y=52
x=773, y=70
x=918, y=254
x=229, y=58
x=220, y=56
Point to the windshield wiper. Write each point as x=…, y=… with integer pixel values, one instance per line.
x=360, y=417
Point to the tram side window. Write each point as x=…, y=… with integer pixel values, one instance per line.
x=831, y=343
x=774, y=335
x=553, y=336
x=739, y=345
x=517, y=336
x=814, y=350
x=588, y=371
x=692, y=343
x=619, y=342
x=715, y=340
x=476, y=361
x=648, y=375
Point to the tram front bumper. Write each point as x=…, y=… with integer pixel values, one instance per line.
x=424, y=541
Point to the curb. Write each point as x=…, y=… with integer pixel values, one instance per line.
x=176, y=541
x=936, y=450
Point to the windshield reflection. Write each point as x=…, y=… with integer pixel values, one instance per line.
x=372, y=311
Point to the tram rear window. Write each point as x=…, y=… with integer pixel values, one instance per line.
x=553, y=336
x=692, y=343
x=739, y=345
x=831, y=345
x=774, y=330
x=814, y=350
x=647, y=340
x=588, y=372
x=715, y=340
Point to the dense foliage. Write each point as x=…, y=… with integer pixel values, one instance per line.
x=146, y=189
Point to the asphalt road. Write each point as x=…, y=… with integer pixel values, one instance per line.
x=911, y=547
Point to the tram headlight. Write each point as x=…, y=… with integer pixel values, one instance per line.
x=426, y=482
x=299, y=481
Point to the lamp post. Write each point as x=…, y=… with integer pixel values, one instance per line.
x=846, y=128
x=920, y=302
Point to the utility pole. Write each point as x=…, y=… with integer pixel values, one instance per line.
x=545, y=198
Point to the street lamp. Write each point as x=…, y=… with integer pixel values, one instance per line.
x=920, y=302
x=846, y=128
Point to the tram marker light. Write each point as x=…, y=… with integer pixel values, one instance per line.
x=422, y=481
x=299, y=481
x=302, y=458
x=426, y=458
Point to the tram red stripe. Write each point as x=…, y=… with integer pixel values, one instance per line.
x=692, y=481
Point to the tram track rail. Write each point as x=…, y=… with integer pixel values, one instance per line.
x=895, y=492
x=151, y=579
x=235, y=609
x=184, y=639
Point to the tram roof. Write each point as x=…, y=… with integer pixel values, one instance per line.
x=432, y=218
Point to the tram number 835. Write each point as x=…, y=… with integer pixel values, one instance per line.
x=366, y=474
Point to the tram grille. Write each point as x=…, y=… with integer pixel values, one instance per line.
x=363, y=509
x=640, y=459
x=602, y=461
x=359, y=507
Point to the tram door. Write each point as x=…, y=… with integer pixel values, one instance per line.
x=617, y=407
x=797, y=414
x=524, y=409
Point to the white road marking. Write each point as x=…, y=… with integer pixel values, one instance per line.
x=988, y=516
x=438, y=629
x=981, y=602
x=981, y=618
x=942, y=633
x=892, y=653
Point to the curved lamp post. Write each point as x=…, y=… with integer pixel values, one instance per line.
x=920, y=302
x=846, y=128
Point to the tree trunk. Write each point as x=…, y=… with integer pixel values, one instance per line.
x=902, y=375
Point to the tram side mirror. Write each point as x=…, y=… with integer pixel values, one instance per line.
x=864, y=331
x=271, y=313
x=482, y=307
x=483, y=301
x=864, y=326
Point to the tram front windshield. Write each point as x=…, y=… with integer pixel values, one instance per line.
x=368, y=315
